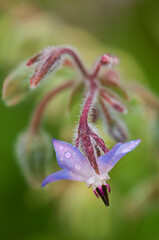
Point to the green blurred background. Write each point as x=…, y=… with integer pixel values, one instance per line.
x=67, y=210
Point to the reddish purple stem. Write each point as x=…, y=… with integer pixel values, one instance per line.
x=90, y=142
x=76, y=59
x=36, y=118
x=99, y=142
x=84, y=133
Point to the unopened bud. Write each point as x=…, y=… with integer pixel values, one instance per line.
x=34, y=154
x=113, y=101
x=46, y=61
x=112, y=77
x=109, y=59
x=16, y=85
x=115, y=127
x=118, y=132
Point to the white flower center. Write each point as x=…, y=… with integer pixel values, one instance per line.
x=97, y=180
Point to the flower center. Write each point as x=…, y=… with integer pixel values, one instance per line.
x=97, y=180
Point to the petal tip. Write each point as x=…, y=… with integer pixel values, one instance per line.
x=54, y=140
x=43, y=184
x=46, y=181
x=137, y=141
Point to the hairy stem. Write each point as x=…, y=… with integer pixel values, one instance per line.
x=87, y=106
x=96, y=69
x=36, y=118
x=104, y=60
x=77, y=60
x=84, y=131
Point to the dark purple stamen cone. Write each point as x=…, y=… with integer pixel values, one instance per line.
x=102, y=192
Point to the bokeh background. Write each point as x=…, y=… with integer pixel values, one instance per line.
x=67, y=210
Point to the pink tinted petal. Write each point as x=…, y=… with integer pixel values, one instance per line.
x=95, y=193
x=108, y=160
x=62, y=174
x=71, y=158
x=101, y=190
x=107, y=185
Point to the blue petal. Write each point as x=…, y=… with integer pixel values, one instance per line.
x=62, y=174
x=108, y=160
x=69, y=157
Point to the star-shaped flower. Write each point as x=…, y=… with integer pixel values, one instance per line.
x=76, y=167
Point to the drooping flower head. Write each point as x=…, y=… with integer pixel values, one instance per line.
x=96, y=161
x=75, y=166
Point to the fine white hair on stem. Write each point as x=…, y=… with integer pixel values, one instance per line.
x=42, y=59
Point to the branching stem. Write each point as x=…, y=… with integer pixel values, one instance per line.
x=36, y=118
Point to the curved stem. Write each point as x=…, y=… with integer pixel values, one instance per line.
x=104, y=60
x=84, y=131
x=78, y=61
x=87, y=106
x=36, y=118
x=96, y=69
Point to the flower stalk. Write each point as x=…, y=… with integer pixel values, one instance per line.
x=49, y=60
x=96, y=160
x=36, y=118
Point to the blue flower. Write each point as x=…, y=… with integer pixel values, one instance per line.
x=76, y=167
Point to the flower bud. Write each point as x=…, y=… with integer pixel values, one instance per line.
x=118, y=131
x=112, y=79
x=47, y=61
x=16, y=85
x=113, y=101
x=34, y=154
x=114, y=125
x=109, y=59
